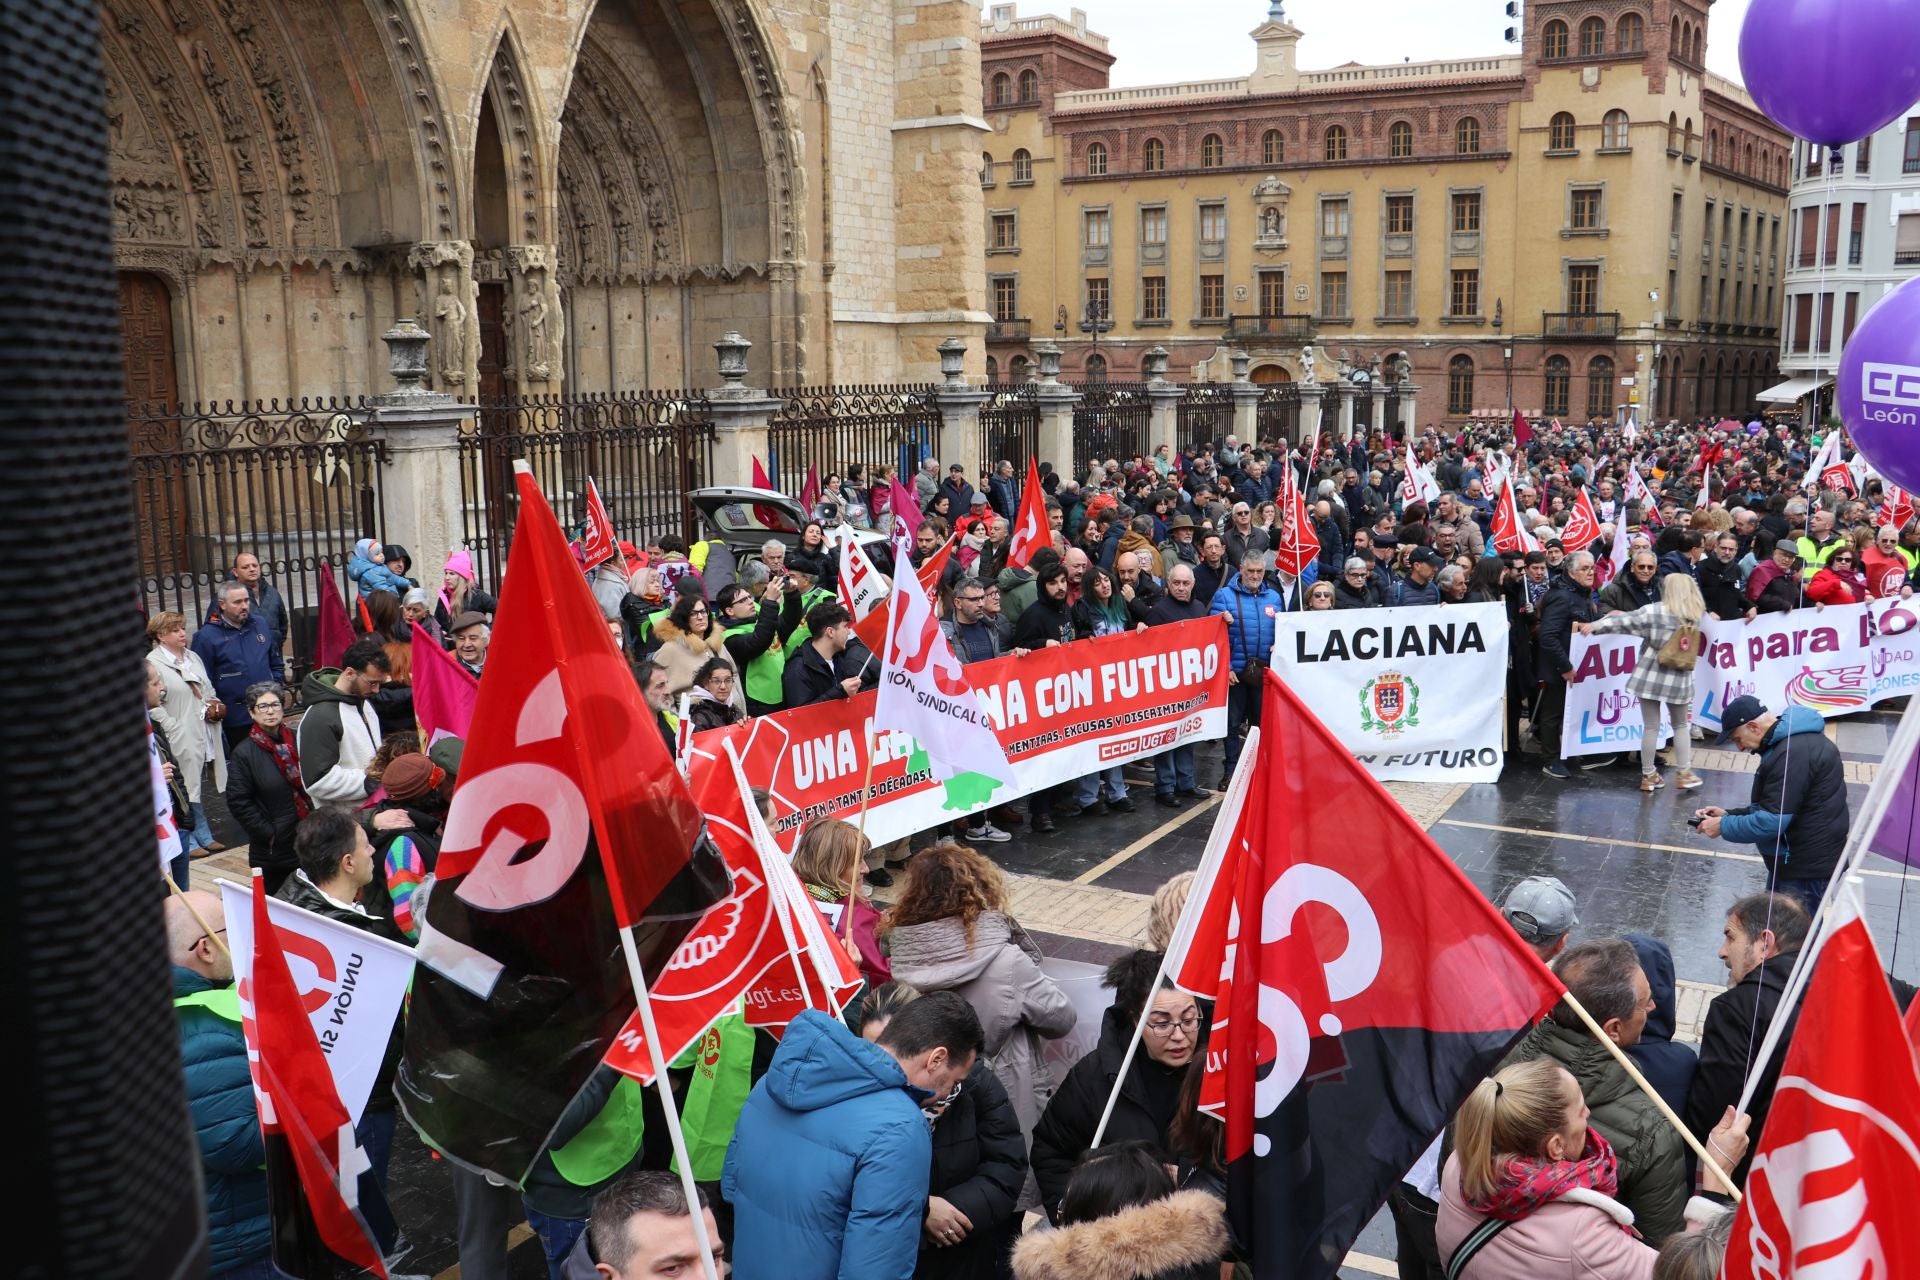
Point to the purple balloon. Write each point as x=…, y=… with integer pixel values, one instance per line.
x=1832, y=71
x=1880, y=386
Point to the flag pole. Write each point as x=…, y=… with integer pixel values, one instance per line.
x=667, y=1104
x=194, y=911
x=1626, y=1063
x=1210, y=862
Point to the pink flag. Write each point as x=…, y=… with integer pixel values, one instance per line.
x=336, y=628
x=444, y=692
x=810, y=488
x=905, y=510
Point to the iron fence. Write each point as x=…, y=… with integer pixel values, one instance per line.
x=295, y=483
x=1205, y=416
x=1278, y=413
x=829, y=429
x=644, y=451
x=1009, y=426
x=1112, y=420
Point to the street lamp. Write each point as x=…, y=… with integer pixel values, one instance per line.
x=1095, y=322
x=1506, y=348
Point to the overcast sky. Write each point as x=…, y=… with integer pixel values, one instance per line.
x=1161, y=41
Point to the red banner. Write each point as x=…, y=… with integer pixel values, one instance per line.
x=1059, y=713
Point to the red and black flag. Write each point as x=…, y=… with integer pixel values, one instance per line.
x=570, y=823
x=1363, y=986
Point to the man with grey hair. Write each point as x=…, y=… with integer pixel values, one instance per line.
x=773, y=554
x=1453, y=584
x=640, y=1228
x=1173, y=771
x=237, y=649
x=1569, y=600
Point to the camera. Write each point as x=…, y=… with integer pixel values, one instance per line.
x=1695, y=821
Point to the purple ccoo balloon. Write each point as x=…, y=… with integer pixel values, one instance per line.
x=1832, y=71
x=1879, y=386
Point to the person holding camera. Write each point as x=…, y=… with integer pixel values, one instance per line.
x=1252, y=609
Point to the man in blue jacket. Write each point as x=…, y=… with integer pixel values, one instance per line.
x=1797, y=814
x=238, y=651
x=1252, y=609
x=219, y=1089
x=828, y=1169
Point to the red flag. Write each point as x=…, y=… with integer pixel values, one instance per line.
x=1509, y=534
x=1522, y=429
x=336, y=626
x=1363, y=986
x=444, y=692
x=1831, y=1186
x=1896, y=509
x=1583, y=524
x=872, y=629
x=810, y=489
x=598, y=545
x=302, y=1120
x=1911, y=1025
x=1031, y=528
x=1299, y=544
x=766, y=515
x=906, y=512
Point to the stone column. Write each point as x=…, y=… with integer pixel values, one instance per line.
x=960, y=434
x=1311, y=394
x=1409, y=408
x=1377, y=390
x=534, y=319
x=420, y=489
x=1345, y=390
x=449, y=298
x=1055, y=401
x=740, y=415
x=1163, y=399
x=1246, y=399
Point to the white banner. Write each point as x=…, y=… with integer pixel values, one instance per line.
x=351, y=982
x=1835, y=661
x=1416, y=694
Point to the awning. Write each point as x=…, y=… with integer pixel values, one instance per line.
x=1793, y=389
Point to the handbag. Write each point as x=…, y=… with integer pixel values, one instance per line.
x=1681, y=650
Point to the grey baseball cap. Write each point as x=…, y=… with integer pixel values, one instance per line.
x=1540, y=909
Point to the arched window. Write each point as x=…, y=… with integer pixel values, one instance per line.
x=1747, y=168
x=1613, y=130
x=1700, y=386
x=1029, y=85
x=1553, y=39
x=1336, y=138
x=1673, y=131
x=1560, y=132
x=1213, y=151
x=1559, y=386
x=1593, y=37
x=1153, y=156
x=993, y=369
x=1460, y=385
x=1002, y=89
x=1600, y=387
x=1019, y=369
x=1687, y=132
x=1096, y=368
x=1713, y=146
x=1273, y=147
x=1023, y=165
x=986, y=168
x=1631, y=36
x=1097, y=159
x=1399, y=140
x=1699, y=51
x=1466, y=136
x=1719, y=385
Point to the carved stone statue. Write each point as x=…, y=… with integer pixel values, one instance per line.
x=533, y=326
x=450, y=333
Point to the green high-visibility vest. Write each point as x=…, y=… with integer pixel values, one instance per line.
x=763, y=673
x=223, y=1002
x=1816, y=557
x=802, y=634
x=722, y=1077
x=609, y=1142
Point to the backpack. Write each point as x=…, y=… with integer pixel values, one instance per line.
x=1681, y=650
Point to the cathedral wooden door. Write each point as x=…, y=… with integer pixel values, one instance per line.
x=153, y=392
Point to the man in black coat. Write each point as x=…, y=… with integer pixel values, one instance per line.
x=814, y=672
x=1174, y=778
x=1796, y=816
x=979, y=1168
x=1568, y=600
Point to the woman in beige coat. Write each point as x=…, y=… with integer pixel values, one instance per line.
x=688, y=640
x=195, y=739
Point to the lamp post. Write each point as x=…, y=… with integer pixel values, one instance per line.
x=1095, y=322
x=1506, y=348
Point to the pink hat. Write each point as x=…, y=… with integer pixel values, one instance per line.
x=461, y=562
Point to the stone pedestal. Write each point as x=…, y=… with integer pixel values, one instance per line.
x=959, y=404
x=1345, y=391
x=1246, y=411
x=1055, y=402
x=1409, y=409
x=1311, y=395
x=420, y=489
x=740, y=415
x=1377, y=390
x=1163, y=400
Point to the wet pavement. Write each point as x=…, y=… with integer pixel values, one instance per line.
x=1630, y=860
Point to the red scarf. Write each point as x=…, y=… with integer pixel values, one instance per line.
x=1528, y=1182
x=286, y=757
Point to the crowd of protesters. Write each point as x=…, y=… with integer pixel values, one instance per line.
x=918, y=1137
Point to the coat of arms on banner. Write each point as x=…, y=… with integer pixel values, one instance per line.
x=1389, y=703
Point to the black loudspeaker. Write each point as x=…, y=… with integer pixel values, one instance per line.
x=103, y=1173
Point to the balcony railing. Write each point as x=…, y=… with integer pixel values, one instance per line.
x=1580, y=324
x=1010, y=331
x=1282, y=328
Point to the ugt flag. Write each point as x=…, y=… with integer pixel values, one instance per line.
x=597, y=545
x=1362, y=984
x=570, y=823
x=1830, y=1193
x=1583, y=525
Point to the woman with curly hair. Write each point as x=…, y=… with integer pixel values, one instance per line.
x=950, y=931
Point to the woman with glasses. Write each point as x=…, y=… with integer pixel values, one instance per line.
x=1320, y=596
x=264, y=792
x=1149, y=1096
x=688, y=639
x=1358, y=586
x=1839, y=580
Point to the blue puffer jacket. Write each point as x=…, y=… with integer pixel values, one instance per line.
x=370, y=576
x=827, y=1172
x=220, y=1098
x=1250, y=620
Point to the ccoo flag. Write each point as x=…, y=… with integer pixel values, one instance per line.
x=1362, y=984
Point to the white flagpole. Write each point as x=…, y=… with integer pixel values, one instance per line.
x=1218, y=842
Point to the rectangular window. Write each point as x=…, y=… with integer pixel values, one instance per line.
x=1679, y=213
x=1862, y=161
x=1583, y=289
x=1803, y=322
x=1720, y=302
x=1399, y=295
x=1005, y=233
x=1466, y=212
x=1334, y=220
x=1213, y=297
x=1153, y=297
x=1833, y=234
x=1099, y=228
x=1706, y=296
x=1333, y=295
x=1673, y=293
x=1906, y=240
x=1809, y=250
x=1399, y=215
x=1006, y=298
x=1706, y=228
x=1852, y=314
x=1857, y=237
x=1100, y=297
x=1463, y=295
x=1826, y=322
x=1213, y=222
x=1153, y=226
x=1910, y=163
x=1273, y=293
x=1585, y=209
x=1744, y=220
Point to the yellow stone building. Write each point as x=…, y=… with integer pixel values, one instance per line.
x=1590, y=228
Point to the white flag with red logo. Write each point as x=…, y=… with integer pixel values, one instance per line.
x=924, y=691
x=166, y=823
x=1829, y=469
x=350, y=983
x=1637, y=491
x=1509, y=532
x=598, y=544
x=1031, y=528
x=1419, y=486
x=1583, y=524
x=1830, y=1192
x=1299, y=544
x=1896, y=507
x=863, y=588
